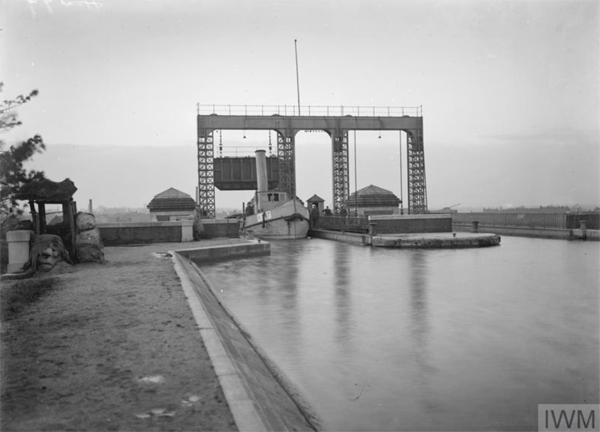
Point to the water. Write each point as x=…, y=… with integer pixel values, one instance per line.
x=383, y=339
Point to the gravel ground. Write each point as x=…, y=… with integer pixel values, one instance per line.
x=110, y=347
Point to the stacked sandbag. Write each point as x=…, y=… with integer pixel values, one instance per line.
x=47, y=251
x=88, y=243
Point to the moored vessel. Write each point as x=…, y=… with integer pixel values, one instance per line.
x=273, y=214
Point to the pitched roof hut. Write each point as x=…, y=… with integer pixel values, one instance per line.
x=317, y=201
x=373, y=200
x=44, y=191
x=172, y=204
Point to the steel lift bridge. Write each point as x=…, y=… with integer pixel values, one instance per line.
x=286, y=121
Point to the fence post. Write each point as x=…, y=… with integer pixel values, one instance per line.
x=583, y=228
x=372, y=230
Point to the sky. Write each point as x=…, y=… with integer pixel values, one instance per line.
x=509, y=89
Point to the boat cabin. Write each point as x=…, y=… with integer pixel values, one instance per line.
x=267, y=200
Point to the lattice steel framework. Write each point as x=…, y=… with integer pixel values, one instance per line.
x=206, y=180
x=336, y=124
x=287, y=162
x=341, y=167
x=417, y=190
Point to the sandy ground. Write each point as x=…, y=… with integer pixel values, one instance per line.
x=111, y=347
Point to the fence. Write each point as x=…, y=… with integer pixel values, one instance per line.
x=524, y=220
x=339, y=223
x=387, y=224
x=531, y=220
x=591, y=219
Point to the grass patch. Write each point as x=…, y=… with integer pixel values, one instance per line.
x=17, y=296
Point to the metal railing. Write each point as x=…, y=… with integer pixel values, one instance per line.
x=525, y=220
x=309, y=110
x=340, y=223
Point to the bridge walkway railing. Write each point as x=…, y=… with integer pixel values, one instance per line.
x=341, y=223
x=309, y=110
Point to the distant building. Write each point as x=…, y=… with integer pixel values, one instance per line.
x=172, y=205
x=373, y=200
x=56, y=220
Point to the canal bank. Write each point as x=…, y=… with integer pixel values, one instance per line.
x=259, y=395
x=564, y=226
x=438, y=240
x=109, y=347
x=116, y=347
x=533, y=232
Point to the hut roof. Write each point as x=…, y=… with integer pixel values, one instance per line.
x=172, y=199
x=373, y=196
x=315, y=198
x=47, y=191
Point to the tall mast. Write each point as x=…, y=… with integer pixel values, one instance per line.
x=297, y=75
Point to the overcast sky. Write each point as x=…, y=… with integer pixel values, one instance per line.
x=510, y=91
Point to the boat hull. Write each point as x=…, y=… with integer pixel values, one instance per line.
x=288, y=221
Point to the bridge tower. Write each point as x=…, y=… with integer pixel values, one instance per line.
x=417, y=191
x=286, y=153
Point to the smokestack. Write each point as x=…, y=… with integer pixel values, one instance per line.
x=261, y=171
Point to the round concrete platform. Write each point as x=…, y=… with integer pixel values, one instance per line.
x=435, y=240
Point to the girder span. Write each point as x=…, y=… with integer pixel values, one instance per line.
x=337, y=127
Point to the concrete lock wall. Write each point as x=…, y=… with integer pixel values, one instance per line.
x=214, y=228
x=117, y=234
x=428, y=223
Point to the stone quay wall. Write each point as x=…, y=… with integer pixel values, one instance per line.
x=128, y=233
x=420, y=223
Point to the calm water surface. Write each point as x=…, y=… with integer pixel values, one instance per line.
x=383, y=339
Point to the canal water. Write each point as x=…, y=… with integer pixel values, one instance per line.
x=389, y=339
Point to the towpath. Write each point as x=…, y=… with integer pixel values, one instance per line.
x=111, y=347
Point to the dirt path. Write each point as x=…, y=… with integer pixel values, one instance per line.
x=111, y=347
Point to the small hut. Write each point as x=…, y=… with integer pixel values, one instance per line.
x=373, y=200
x=43, y=192
x=317, y=201
x=172, y=205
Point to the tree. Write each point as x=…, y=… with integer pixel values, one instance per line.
x=13, y=175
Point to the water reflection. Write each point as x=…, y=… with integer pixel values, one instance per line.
x=425, y=340
x=418, y=300
x=420, y=330
x=343, y=299
x=291, y=319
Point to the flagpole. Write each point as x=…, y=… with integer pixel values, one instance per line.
x=297, y=74
x=400, y=154
x=355, y=180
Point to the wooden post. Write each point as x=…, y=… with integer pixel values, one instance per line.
x=34, y=217
x=42, y=217
x=69, y=217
